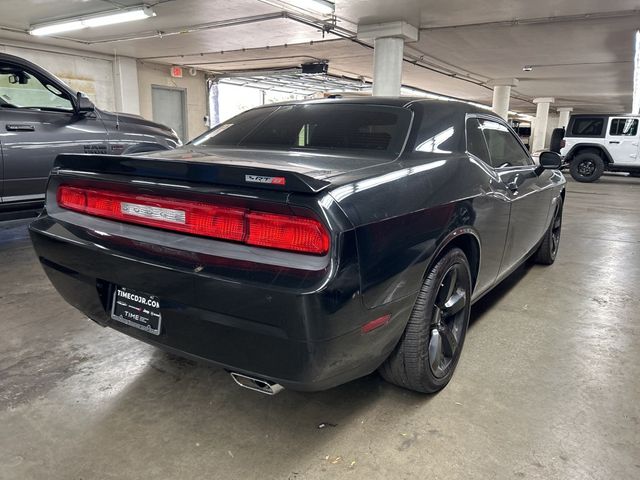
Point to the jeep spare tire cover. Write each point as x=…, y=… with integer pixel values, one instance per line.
x=556, y=138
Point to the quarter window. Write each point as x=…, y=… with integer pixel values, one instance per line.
x=504, y=148
x=475, y=141
x=624, y=127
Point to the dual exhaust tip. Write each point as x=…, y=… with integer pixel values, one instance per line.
x=256, y=384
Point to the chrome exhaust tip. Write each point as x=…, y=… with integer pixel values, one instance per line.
x=256, y=384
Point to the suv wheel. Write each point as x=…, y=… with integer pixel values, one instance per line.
x=587, y=167
x=428, y=352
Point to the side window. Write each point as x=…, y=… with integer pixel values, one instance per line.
x=624, y=127
x=504, y=149
x=475, y=141
x=19, y=89
x=587, y=126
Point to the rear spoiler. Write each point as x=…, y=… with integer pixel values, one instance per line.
x=190, y=171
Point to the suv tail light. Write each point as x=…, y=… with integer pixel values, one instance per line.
x=563, y=143
x=282, y=232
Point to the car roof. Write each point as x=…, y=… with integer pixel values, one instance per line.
x=453, y=104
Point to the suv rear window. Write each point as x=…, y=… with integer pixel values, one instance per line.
x=587, y=126
x=377, y=130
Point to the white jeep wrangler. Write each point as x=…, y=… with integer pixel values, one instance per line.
x=596, y=143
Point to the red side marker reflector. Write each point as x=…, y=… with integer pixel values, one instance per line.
x=377, y=323
x=261, y=229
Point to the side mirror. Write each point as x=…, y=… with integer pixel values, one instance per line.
x=83, y=104
x=550, y=161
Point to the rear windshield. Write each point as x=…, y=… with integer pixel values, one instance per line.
x=587, y=126
x=371, y=129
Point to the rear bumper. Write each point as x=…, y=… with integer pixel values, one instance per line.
x=304, y=339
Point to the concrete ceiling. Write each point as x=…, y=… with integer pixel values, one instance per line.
x=581, y=50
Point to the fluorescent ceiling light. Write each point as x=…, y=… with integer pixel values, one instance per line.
x=320, y=6
x=99, y=20
x=57, y=28
x=130, y=16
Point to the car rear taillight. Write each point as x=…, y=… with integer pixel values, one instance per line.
x=563, y=143
x=286, y=233
x=282, y=232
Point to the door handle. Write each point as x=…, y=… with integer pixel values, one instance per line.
x=20, y=127
x=614, y=141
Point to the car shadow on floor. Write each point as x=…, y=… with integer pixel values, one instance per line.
x=187, y=409
x=195, y=412
x=491, y=299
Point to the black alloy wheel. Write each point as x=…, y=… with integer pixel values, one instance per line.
x=550, y=244
x=587, y=166
x=448, y=321
x=428, y=351
x=556, y=229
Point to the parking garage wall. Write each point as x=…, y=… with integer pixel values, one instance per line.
x=89, y=74
x=195, y=87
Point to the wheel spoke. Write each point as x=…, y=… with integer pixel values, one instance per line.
x=437, y=316
x=447, y=287
x=455, y=303
x=449, y=342
x=435, y=351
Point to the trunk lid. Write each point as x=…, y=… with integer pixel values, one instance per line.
x=290, y=171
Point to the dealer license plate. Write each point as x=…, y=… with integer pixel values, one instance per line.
x=136, y=309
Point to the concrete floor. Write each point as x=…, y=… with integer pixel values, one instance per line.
x=548, y=385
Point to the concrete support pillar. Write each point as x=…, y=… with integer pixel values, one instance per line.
x=563, y=118
x=127, y=94
x=502, y=95
x=388, y=53
x=542, y=116
x=387, y=66
x=214, y=103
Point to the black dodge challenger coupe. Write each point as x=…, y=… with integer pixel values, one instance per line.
x=305, y=244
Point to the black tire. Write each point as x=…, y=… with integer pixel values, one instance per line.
x=427, y=354
x=587, y=167
x=548, y=249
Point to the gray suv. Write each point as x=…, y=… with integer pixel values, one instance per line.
x=41, y=117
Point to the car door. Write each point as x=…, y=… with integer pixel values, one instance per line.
x=492, y=210
x=622, y=140
x=37, y=122
x=528, y=193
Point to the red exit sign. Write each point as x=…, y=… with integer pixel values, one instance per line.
x=176, y=72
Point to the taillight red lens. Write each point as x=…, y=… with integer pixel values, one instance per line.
x=287, y=233
x=73, y=198
x=283, y=232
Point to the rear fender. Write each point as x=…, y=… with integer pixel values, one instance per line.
x=393, y=265
x=459, y=238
